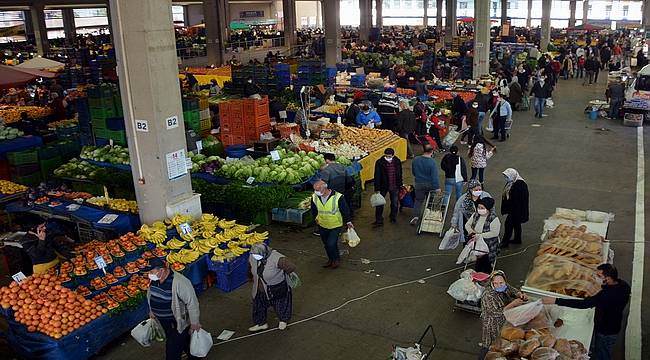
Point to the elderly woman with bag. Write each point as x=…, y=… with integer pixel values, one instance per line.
x=270, y=286
x=466, y=206
x=484, y=224
x=514, y=203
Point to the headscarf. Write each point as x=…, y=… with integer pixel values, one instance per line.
x=512, y=175
x=469, y=207
x=265, y=251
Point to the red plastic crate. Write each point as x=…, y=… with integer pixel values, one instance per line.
x=228, y=140
x=253, y=133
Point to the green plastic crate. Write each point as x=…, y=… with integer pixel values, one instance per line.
x=69, y=148
x=91, y=188
x=119, y=111
x=99, y=124
x=28, y=180
x=23, y=157
x=101, y=103
x=102, y=113
x=48, y=152
x=118, y=136
x=49, y=165
x=102, y=91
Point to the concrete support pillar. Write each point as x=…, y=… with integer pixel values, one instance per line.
x=529, y=13
x=216, y=25
x=379, y=13
x=146, y=64
x=504, y=12
x=332, y=23
x=289, y=19
x=29, y=26
x=450, y=25
x=425, y=20
x=438, y=15
x=645, y=16
x=481, y=65
x=572, y=13
x=545, y=37
x=37, y=11
x=319, y=15
x=585, y=12
x=365, y=19
x=69, y=26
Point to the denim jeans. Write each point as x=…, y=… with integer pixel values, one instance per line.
x=481, y=116
x=421, y=192
x=539, y=106
x=330, y=239
x=601, y=346
x=615, y=107
x=450, y=184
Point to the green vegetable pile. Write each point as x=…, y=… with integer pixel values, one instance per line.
x=112, y=154
x=202, y=163
x=9, y=133
x=77, y=169
x=248, y=199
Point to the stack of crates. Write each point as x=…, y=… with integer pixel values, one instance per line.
x=311, y=72
x=83, y=116
x=231, y=114
x=24, y=167
x=191, y=114
x=262, y=76
x=104, y=102
x=49, y=158
x=256, y=118
x=427, y=62
x=330, y=76
x=283, y=75
x=205, y=119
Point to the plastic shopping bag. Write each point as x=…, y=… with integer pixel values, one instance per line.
x=461, y=289
x=465, y=254
x=201, y=343
x=524, y=313
x=377, y=200
x=450, y=241
x=293, y=280
x=353, y=238
x=490, y=126
x=450, y=138
x=145, y=332
x=458, y=173
x=410, y=353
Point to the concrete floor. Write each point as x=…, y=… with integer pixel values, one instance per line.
x=567, y=162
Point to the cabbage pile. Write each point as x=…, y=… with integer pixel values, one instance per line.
x=292, y=168
x=112, y=154
x=77, y=169
x=9, y=133
x=208, y=164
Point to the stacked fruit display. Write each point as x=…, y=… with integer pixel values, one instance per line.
x=115, y=204
x=10, y=188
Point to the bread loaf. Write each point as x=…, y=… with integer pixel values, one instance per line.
x=528, y=347
x=544, y=353
x=493, y=355
x=511, y=333
x=563, y=347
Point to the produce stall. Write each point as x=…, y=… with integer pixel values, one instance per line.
x=20, y=143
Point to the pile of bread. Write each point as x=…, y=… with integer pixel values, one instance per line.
x=566, y=262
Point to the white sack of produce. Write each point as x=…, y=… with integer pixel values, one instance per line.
x=524, y=313
x=472, y=250
x=465, y=290
x=377, y=200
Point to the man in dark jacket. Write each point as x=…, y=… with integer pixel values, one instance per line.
x=406, y=125
x=616, y=95
x=514, y=203
x=610, y=302
x=336, y=177
x=458, y=107
x=388, y=180
x=351, y=112
x=541, y=91
x=590, y=68
x=448, y=165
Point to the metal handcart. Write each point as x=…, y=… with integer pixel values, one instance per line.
x=434, y=213
x=473, y=307
x=416, y=352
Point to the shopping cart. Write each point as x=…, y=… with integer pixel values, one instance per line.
x=416, y=352
x=473, y=307
x=434, y=213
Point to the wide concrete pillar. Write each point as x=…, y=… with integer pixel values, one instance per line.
x=216, y=28
x=481, y=65
x=439, y=15
x=69, y=27
x=365, y=19
x=289, y=20
x=645, y=17
x=572, y=13
x=585, y=12
x=425, y=20
x=451, y=26
x=504, y=12
x=546, y=25
x=37, y=12
x=149, y=85
x=332, y=23
x=529, y=15
x=379, y=13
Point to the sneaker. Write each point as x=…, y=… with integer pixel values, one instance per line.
x=258, y=328
x=414, y=220
x=282, y=325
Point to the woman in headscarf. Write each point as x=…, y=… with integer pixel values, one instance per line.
x=514, y=203
x=270, y=287
x=498, y=296
x=516, y=93
x=484, y=224
x=466, y=206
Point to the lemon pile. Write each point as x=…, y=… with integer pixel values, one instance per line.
x=10, y=188
x=115, y=204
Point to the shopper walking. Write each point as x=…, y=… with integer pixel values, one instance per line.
x=406, y=125
x=172, y=301
x=466, y=206
x=330, y=212
x=514, y=204
x=388, y=180
x=471, y=118
x=581, y=67
x=590, y=68
x=270, y=288
x=434, y=129
x=450, y=164
x=616, y=95
x=484, y=100
x=541, y=91
x=484, y=224
x=479, y=155
x=498, y=296
x=610, y=303
x=425, y=172
x=516, y=93
x=502, y=112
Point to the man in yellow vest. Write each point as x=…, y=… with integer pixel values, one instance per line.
x=331, y=211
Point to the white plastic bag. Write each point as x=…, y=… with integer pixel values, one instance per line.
x=143, y=333
x=490, y=126
x=353, y=238
x=410, y=353
x=377, y=200
x=450, y=241
x=201, y=343
x=472, y=250
x=524, y=313
x=461, y=289
x=549, y=103
x=458, y=173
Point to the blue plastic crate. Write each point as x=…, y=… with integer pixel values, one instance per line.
x=282, y=67
x=232, y=274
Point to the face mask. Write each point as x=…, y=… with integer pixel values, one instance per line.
x=250, y=81
x=318, y=193
x=258, y=257
x=507, y=178
x=477, y=192
x=153, y=277
x=389, y=159
x=482, y=212
x=501, y=288
x=367, y=112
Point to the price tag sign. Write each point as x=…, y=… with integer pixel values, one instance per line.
x=108, y=219
x=110, y=142
x=73, y=207
x=101, y=264
x=283, y=114
x=250, y=180
x=275, y=155
x=186, y=229
x=141, y=125
x=199, y=145
x=19, y=277
x=172, y=122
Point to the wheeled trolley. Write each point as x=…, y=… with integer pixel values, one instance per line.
x=474, y=307
x=416, y=352
x=434, y=213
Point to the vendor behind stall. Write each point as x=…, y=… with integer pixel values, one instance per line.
x=250, y=88
x=38, y=248
x=368, y=118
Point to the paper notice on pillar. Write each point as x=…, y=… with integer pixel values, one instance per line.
x=176, y=166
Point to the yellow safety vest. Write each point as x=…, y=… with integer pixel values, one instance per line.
x=329, y=215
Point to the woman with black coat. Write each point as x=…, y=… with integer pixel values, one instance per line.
x=514, y=203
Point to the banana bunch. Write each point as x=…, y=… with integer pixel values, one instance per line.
x=224, y=224
x=177, y=220
x=175, y=244
x=183, y=256
x=234, y=232
x=234, y=248
x=204, y=246
x=156, y=233
x=206, y=227
x=253, y=238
